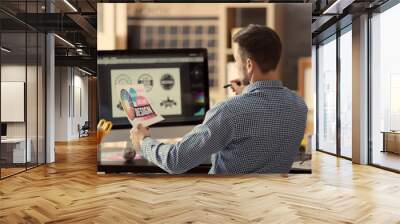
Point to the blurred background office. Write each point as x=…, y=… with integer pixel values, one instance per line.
x=197, y=25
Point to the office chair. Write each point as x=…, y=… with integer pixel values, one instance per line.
x=84, y=130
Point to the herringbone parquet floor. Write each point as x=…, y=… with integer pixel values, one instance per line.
x=70, y=191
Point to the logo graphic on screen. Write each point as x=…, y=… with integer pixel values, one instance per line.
x=119, y=106
x=168, y=103
x=167, y=81
x=147, y=81
x=123, y=79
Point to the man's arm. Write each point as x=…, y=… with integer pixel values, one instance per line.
x=213, y=135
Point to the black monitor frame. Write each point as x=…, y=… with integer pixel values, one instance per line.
x=3, y=129
x=164, y=51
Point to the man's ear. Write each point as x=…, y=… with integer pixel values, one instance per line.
x=249, y=66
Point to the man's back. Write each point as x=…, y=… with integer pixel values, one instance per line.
x=267, y=124
x=257, y=132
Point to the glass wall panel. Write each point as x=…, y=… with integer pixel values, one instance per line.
x=385, y=88
x=22, y=88
x=31, y=97
x=346, y=94
x=34, y=68
x=41, y=79
x=14, y=153
x=327, y=96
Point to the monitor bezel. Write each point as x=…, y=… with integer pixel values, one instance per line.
x=3, y=126
x=165, y=51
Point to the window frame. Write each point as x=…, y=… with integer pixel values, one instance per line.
x=378, y=10
x=36, y=32
x=334, y=36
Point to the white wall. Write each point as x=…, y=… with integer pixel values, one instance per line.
x=79, y=117
x=61, y=103
x=15, y=73
x=33, y=127
x=70, y=83
x=50, y=95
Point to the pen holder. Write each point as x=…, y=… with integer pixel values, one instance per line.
x=100, y=134
x=103, y=129
x=129, y=152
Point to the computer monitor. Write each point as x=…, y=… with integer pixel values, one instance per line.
x=3, y=129
x=175, y=81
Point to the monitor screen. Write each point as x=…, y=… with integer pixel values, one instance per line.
x=174, y=80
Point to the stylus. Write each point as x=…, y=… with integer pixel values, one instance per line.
x=227, y=85
x=230, y=85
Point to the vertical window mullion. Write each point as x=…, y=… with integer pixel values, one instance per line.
x=0, y=90
x=369, y=90
x=317, y=97
x=26, y=87
x=37, y=90
x=338, y=80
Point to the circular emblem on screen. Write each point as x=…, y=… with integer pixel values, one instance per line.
x=167, y=82
x=147, y=81
x=123, y=80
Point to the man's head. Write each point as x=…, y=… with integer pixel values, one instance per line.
x=257, y=50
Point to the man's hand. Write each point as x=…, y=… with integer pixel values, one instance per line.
x=237, y=86
x=138, y=134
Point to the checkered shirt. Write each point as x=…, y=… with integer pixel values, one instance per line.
x=258, y=131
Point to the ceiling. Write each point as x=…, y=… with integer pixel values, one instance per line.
x=74, y=21
x=330, y=15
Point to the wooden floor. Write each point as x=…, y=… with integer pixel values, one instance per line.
x=70, y=191
x=10, y=171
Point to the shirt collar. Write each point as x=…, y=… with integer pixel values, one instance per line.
x=264, y=84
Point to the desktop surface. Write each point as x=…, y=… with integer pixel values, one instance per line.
x=110, y=159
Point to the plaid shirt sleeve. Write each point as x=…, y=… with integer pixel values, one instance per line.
x=213, y=135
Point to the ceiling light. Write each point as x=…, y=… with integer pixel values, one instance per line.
x=64, y=40
x=337, y=7
x=84, y=71
x=70, y=5
x=5, y=50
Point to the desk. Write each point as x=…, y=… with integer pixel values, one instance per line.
x=391, y=141
x=13, y=150
x=110, y=160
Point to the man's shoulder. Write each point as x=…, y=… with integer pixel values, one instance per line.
x=297, y=99
x=219, y=111
x=219, y=107
x=232, y=105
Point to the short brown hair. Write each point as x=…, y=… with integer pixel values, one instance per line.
x=261, y=44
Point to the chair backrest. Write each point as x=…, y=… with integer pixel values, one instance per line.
x=86, y=125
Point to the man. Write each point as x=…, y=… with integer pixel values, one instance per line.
x=257, y=131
